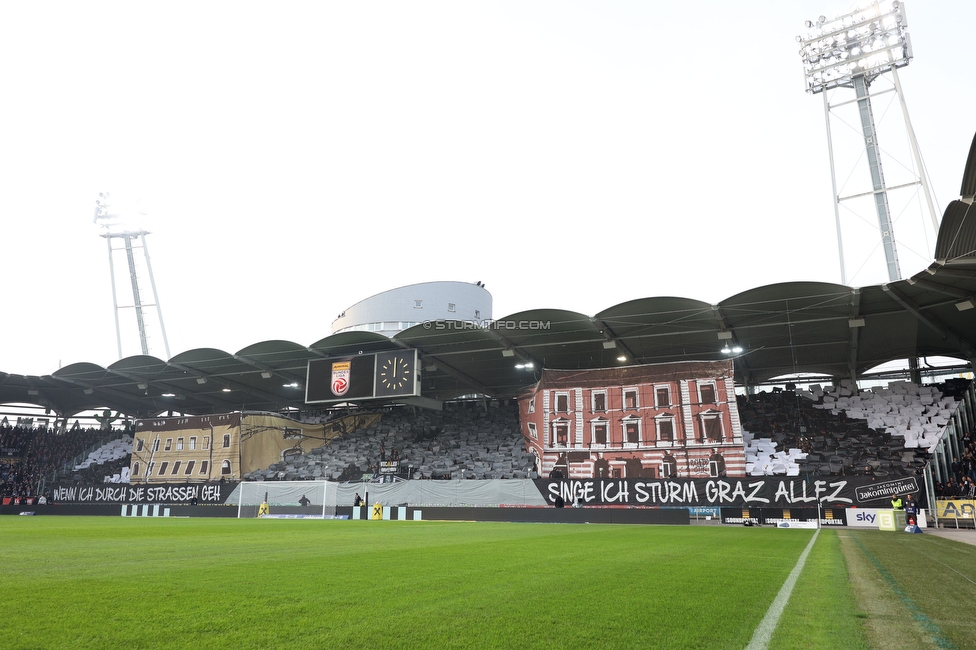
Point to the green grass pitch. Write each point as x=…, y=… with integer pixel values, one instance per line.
x=102, y=582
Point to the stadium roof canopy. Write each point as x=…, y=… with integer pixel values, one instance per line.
x=783, y=329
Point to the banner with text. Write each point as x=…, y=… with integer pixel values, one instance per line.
x=204, y=493
x=758, y=491
x=955, y=508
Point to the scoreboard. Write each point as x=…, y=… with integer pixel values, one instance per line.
x=363, y=376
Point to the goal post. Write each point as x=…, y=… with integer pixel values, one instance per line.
x=286, y=499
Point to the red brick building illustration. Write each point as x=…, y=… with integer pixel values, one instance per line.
x=649, y=421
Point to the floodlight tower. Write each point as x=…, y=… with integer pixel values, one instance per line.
x=851, y=51
x=114, y=228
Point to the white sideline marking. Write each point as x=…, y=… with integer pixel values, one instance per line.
x=763, y=633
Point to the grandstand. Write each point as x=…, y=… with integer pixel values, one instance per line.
x=113, y=450
x=111, y=460
x=833, y=431
x=470, y=439
x=35, y=456
x=768, y=335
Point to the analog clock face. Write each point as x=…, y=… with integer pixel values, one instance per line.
x=394, y=374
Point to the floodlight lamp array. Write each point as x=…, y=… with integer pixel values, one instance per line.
x=865, y=42
x=113, y=223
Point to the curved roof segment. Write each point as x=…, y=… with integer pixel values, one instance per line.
x=808, y=327
x=968, y=189
x=956, y=245
x=782, y=329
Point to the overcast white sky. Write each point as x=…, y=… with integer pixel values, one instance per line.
x=298, y=157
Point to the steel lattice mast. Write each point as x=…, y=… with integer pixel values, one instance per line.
x=133, y=242
x=851, y=51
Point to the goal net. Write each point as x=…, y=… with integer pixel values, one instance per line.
x=286, y=499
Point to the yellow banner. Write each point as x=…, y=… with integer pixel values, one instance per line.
x=955, y=508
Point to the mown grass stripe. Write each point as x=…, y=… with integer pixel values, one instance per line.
x=938, y=636
x=764, y=632
x=938, y=561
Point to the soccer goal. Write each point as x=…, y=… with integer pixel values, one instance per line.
x=286, y=499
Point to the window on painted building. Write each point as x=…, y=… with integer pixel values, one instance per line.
x=665, y=429
x=204, y=466
x=226, y=440
x=532, y=431
x=189, y=467
x=179, y=444
x=630, y=398
x=716, y=465
x=135, y=468
x=532, y=405
x=418, y=304
x=600, y=433
x=599, y=402
x=225, y=468
x=477, y=314
x=707, y=392
x=631, y=431
x=633, y=468
x=669, y=466
x=193, y=443
x=712, y=427
x=601, y=468
x=156, y=445
x=149, y=469
x=140, y=444
x=176, y=467
x=206, y=442
x=562, y=402
x=662, y=395
x=451, y=307
x=169, y=444
x=560, y=433
x=162, y=467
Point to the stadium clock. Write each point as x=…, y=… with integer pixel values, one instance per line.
x=394, y=375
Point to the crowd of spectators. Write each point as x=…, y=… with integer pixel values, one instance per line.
x=471, y=439
x=962, y=489
x=30, y=454
x=834, y=442
x=98, y=473
x=962, y=483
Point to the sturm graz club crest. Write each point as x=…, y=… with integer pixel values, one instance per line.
x=340, y=377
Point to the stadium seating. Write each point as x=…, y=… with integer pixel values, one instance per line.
x=822, y=431
x=43, y=453
x=466, y=440
x=112, y=450
x=836, y=430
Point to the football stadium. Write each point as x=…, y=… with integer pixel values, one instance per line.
x=784, y=468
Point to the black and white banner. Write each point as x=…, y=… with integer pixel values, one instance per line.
x=204, y=493
x=759, y=491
